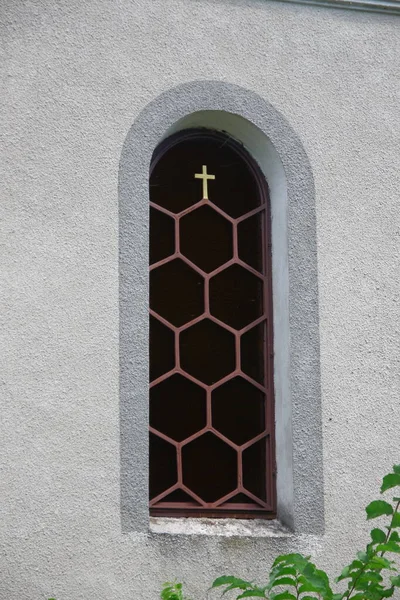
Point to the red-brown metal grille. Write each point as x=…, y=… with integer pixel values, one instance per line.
x=211, y=359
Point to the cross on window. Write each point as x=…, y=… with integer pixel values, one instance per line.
x=205, y=177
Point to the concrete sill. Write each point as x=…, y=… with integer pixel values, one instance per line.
x=254, y=528
x=391, y=7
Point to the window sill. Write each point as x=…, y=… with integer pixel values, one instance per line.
x=254, y=528
x=383, y=6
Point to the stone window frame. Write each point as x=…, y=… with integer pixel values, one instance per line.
x=272, y=142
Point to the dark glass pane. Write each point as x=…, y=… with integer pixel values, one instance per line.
x=250, y=243
x=207, y=351
x=240, y=499
x=177, y=407
x=176, y=292
x=252, y=352
x=162, y=236
x=254, y=469
x=236, y=296
x=163, y=465
x=209, y=467
x=206, y=238
x=173, y=184
x=238, y=410
x=162, y=344
x=180, y=496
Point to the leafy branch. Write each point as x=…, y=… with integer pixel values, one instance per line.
x=371, y=576
x=172, y=591
x=366, y=575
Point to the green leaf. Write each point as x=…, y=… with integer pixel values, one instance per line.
x=390, y=481
x=396, y=469
x=370, y=576
x=249, y=593
x=387, y=593
x=379, y=562
x=374, y=592
x=283, y=581
x=337, y=596
x=281, y=559
x=344, y=574
x=350, y=571
x=172, y=591
x=280, y=570
x=223, y=580
x=395, y=580
x=231, y=581
x=297, y=560
x=318, y=580
x=239, y=584
x=378, y=508
x=395, y=520
x=394, y=537
x=307, y=587
x=396, y=499
x=283, y=596
x=378, y=536
x=356, y=564
x=363, y=556
x=389, y=547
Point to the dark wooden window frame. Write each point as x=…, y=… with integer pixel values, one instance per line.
x=161, y=505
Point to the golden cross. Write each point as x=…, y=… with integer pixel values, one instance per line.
x=205, y=177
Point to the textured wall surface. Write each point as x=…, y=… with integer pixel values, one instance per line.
x=76, y=76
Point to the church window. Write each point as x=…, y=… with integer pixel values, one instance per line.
x=212, y=449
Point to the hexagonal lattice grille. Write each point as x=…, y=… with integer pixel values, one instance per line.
x=211, y=392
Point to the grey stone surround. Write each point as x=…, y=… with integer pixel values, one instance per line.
x=297, y=372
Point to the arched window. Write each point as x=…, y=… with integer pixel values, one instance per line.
x=212, y=449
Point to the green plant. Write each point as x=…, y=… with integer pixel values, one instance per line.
x=371, y=576
x=172, y=591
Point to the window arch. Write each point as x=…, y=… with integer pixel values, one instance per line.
x=274, y=143
x=212, y=447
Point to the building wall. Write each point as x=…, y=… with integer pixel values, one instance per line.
x=77, y=76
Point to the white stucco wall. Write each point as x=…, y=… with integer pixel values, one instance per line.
x=76, y=75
